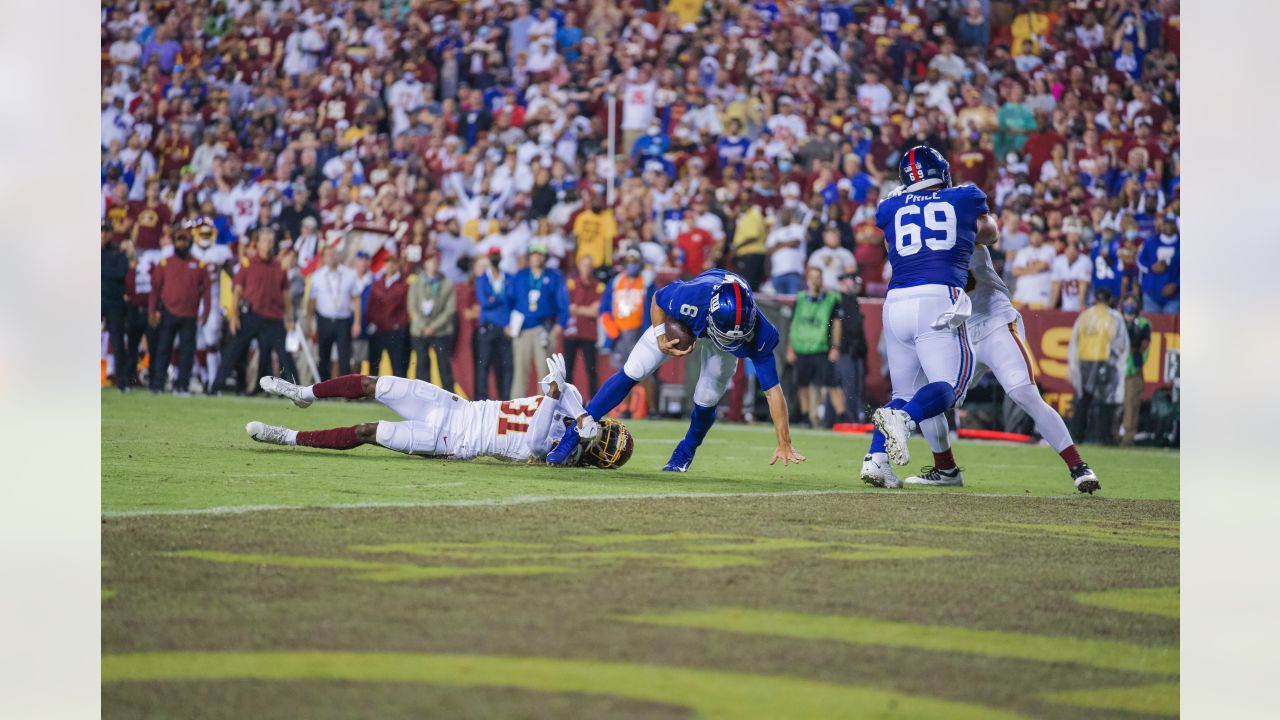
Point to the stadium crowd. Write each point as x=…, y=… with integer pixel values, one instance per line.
x=408, y=152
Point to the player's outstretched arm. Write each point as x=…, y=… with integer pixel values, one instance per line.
x=988, y=230
x=781, y=427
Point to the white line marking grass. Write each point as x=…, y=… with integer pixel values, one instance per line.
x=530, y=499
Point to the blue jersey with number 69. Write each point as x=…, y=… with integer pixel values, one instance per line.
x=931, y=234
x=689, y=302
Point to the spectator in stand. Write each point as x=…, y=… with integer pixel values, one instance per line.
x=539, y=301
x=1160, y=261
x=749, y=252
x=262, y=285
x=832, y=260
x=493, y=346
x=1033, y=268
x=150, y=219
x=179, y=284
x=785, y=246
x=814, y=347
x=333, y=312
x=388, y=319
x=624, y=314
x=1139, y=329
x=1070, y=273
x=974, y=30
x=585, y=291
x=1105, y=257
x=696, y=249
x=1096, y=360
x=594, y=230
x=433, y=309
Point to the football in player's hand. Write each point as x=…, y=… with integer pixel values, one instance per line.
x=680, y=333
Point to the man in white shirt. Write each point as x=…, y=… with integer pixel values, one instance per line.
x=785, y=245
x=873, y=95
x=832, y=259
x=1071, y=274
x=1033, y=269
x=334, y=310
x=638, y=99
x=404, y=96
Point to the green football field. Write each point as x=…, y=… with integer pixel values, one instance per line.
x=243, y=580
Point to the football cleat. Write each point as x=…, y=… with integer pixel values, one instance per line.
x=1085, y=480
x=930, y=475
x=681, y=459
x=877, y=471
x=264, y=433
x=280, y=386
x=561, y=453
x=896, y=426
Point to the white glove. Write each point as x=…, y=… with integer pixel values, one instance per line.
x=555, y=376
x=590, y=428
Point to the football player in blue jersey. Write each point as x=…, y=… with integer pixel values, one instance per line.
x=716, y=306
x=931, y=228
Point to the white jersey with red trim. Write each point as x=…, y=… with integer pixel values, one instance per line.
x=517, y=429
x=992, y=307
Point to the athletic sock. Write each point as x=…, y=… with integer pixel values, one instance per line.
x=347, y=386
x=877, y=438
x=343, y=438
x=944, y=460
x=1071, y=457
x=932, y=399
x=611, y=394
x=700, y=422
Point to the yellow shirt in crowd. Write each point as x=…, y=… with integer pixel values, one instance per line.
x=595, y=233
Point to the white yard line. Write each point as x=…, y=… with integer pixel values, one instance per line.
x=530, y=499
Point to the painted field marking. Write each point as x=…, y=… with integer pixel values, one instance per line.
x=711, y=694
x=1150, y=537
x=1156, y=699
x=1162, y=601
x=367, y=570
x=533, y=499
x=857, y=630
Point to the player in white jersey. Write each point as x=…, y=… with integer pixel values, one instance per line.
x=999, y=344
x=216, y=258
x=438, y=423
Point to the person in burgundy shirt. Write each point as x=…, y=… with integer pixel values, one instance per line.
x=150, y=217
x=388, y=319
x=585, y=290
x=178, y=284
x=262, y=310
x=974, y=164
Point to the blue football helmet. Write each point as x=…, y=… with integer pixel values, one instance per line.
x=921, y=167
x=731, y=322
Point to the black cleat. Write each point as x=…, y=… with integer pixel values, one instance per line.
x=1085, y=480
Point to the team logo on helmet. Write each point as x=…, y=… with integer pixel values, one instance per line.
x=922, y=167
x=732, y=320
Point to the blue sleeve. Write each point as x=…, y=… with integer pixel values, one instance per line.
x=762, y=358
x=649, y=294
x=484, y=293
x=562, y=301
x=979, y=201
x=667, y=298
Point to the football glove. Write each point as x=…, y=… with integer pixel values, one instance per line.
x=554, y=378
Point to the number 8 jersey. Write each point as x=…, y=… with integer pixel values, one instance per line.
x=931, y=234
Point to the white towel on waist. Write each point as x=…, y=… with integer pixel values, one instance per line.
x=955, y=315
